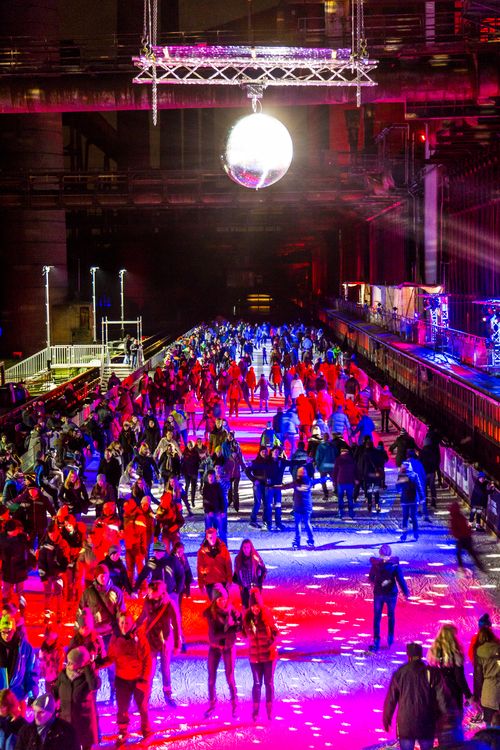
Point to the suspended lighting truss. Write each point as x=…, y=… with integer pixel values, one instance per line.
x=252, y=66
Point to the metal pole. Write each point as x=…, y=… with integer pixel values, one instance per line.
x=46, y=270
x=121, y=274
x=94, y=307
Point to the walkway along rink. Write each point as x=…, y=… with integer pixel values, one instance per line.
x=329, y=688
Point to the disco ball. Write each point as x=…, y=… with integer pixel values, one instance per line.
x=258, y=152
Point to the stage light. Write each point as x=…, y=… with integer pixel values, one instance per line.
x=258, y=151
x=422, y=137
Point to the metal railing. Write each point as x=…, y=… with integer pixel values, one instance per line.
x=462, y=346
x=70, y=356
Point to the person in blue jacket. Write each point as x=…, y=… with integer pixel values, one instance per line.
x=17, y=662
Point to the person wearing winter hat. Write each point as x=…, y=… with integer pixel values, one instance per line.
x=261, y=631
x=17, y=661
x=47, y=732
x=224, y=622
x=76, y=688
x=483, y=622
x=386, y=576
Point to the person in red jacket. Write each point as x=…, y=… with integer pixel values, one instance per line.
x=214, y=563
x=261, y=632
x=135, y=536
x=462, y=532
x=251, y=382
x=306, y=415
x=129, y=651
x=234, y=394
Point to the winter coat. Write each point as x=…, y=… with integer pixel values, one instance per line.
x=339, y=423
x=400, y=446
x=454, y=678
x=430, y=458
x=105, y=604
x=324, y=403
x=111, y=469
x=410, y=488
x=17, y=557
x=214, y=564
x=169, y=520
x=78, y=703
x=258, y=471
x=23, y=676
x=33, y=512
x=9, y=729
x=261, y=632
x=158, y=620
x=325, y=457
x=190, y=462
x=263, y=389
x=480, y=493
x=386, y=576
x=364, y=428
x=131, y=655
x=371, y=466
x=419, y=692
x=101, y=494
x=138, y=527
x=213, y=498
x=296, y=388
x=487, y=675
x=223, y=625
x=52, y=559
x=291, y=422
x=118, y=574
x=345, y=470
x=59, y=736
x=168, y=569
x=249, y=571
x=76, y=498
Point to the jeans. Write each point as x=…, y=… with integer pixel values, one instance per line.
x=410, y=511
x=274, y=500
x=405, y=744
x=216, y=521
x=262, y=672
x=349, y=491
x=264, y=401
x=378, y=605
x=303, y=516
x=125, y=691
x=165, y=655
x=228, y=655
x=290, y=438
x=259, y=495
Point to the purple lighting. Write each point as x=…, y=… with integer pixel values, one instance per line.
x=210, y=52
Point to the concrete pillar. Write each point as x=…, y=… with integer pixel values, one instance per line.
x=30, y=239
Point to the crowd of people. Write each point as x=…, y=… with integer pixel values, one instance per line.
x=103, y=549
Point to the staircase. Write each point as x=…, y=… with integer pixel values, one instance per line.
x=120, y=369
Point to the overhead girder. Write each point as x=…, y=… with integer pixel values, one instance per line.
x=115, y=92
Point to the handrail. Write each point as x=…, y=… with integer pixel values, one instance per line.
x=59, y=355
x=465, y=347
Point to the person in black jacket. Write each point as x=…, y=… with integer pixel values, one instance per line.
x=17, y=560
x=47, y=732
x=76, y=689
x=214, y=505
x=117, y=570
x=53, y=558
x=386, y=575
x=257, y=472
x=111, y=467
x=420, y=694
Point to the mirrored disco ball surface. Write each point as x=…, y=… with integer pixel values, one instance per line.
x=259, y=151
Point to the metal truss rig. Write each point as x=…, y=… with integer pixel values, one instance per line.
x=251, y=67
